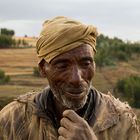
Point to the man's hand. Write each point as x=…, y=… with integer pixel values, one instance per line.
x=73, y=127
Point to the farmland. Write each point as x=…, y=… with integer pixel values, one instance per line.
x=19, y=64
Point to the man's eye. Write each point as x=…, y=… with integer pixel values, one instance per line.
x=61, y=66
x=86, y=63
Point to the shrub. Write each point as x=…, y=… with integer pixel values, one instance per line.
x=112, y=50
x=122, y=56
x=36, y=72
x=103, y=57
x=130, y=90
x=6, y=41
x=4, y=78
x=7, y=32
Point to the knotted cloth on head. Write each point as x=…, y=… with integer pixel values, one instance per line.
x=62, y=34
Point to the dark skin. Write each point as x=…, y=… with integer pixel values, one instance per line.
x=69, y=77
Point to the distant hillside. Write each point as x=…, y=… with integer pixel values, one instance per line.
x=105, y=78
x=30, y=40
x=18, y=61
x=115, y=60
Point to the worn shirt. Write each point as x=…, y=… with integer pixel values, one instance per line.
x=33, y=117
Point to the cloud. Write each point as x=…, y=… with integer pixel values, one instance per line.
x=39, y=9
x=23, y=27
x=109, y=16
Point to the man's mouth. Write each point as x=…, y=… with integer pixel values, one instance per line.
x=77, y=90
x=75, y=93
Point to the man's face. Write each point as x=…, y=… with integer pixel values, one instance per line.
x=70, y=76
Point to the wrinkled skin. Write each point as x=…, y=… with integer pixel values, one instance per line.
x=69, y=77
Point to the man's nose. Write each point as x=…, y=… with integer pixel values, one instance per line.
x=75, y=76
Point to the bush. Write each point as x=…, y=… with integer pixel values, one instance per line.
x=122, y=56
x=6, y=41
x=4, y=78
x=36, y=72
x=112, y=50
x=7, y=32
x=130, y=90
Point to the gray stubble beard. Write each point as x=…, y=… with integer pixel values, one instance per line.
x=70, y=104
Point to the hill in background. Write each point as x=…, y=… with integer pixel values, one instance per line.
x=115, y=60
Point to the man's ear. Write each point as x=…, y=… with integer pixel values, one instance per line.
x=42, y=68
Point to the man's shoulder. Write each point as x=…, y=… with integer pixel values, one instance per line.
x=121, y=107
x=109, y=100
x=126, y=114
x=20, y=105
x=116, y=113
x=21, y=114
x=16, y=108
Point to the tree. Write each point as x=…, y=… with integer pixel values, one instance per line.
x=111, y=50
x=6, y=41
x=7, y=32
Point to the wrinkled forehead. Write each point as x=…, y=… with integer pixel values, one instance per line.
x=84, y=50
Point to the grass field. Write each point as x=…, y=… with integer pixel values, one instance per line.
x=19, y=63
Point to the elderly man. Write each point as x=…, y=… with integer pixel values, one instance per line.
x=70, y=108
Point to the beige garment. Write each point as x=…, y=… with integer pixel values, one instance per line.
x=115, y=120
x=62, y=34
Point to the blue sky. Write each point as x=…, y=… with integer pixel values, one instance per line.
x=115, y=18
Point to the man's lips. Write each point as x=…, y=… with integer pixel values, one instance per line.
x=75, y=93
x=75, y=90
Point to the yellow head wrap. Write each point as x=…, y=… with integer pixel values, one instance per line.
x=62, y=34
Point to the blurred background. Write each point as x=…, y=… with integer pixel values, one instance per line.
x=118, y=44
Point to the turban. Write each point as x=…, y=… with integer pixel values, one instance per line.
x=62, y=34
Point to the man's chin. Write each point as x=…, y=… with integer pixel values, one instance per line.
x=74, y=104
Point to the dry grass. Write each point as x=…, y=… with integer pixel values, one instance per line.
x=18, y=61
x=15, y=90
x=21, y=62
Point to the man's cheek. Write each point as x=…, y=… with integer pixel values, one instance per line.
x=89, y=75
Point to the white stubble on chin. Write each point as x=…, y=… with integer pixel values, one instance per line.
x=73, y=104
x=69, y=103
